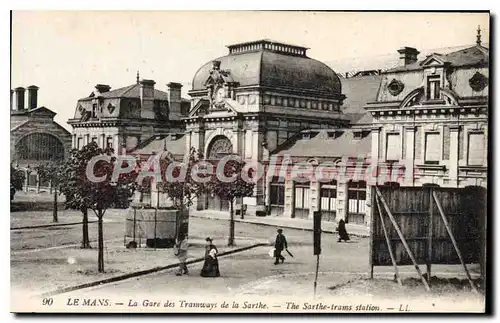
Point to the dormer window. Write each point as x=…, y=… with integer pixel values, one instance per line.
x=433, y=86
x=94, y=110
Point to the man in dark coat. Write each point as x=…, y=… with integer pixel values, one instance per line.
x=279, y=246
x=342, y=231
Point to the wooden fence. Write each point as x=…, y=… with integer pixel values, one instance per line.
x=427, y=225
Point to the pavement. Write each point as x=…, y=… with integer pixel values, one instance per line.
x=283, y=222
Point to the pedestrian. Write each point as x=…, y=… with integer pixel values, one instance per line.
x=279, y=246
x=181, y=250
x=211, y=264
x=343, y=235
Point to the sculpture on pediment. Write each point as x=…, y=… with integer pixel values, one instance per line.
x=217, y=85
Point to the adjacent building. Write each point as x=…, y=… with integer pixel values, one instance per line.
x=35, y=138
x=433, y=114
x=129, y=117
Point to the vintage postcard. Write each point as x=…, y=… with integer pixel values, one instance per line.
x=249, y=162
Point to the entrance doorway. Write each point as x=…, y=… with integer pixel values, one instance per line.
x=219, y=147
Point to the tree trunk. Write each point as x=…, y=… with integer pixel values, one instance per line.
x=85, y=229
x=54, y=211
x=100, y=260
x=230, y=242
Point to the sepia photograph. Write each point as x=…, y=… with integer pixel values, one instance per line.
x=297, y=162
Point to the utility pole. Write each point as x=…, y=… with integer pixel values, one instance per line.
x=317, y=244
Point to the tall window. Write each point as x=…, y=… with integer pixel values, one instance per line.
x=94, y=139
x=94, y=110
x=476, y=149
x=433, y=85
x=328, y=193
x=277, y=195
x=109, y=142
x=302, y=200
x=357, y=197
x=79, y=144
x=432, y=148
x=393, y=149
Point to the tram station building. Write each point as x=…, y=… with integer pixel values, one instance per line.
x=422, y=122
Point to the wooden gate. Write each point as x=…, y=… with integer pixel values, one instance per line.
x=427, y=225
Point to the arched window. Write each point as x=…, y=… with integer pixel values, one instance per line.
x=40, y=146
x=219, y=147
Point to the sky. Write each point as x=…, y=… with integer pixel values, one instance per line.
x=66, y=53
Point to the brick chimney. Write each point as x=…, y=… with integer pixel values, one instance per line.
x=102, y=88
x=32, y=96
x=174, y=100
x=19, y=98
x=408, y=55
x=147, y=94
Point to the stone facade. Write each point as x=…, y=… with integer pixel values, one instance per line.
x=129, y=117
x=35, y=138
x=257, y=97
x=433, y=115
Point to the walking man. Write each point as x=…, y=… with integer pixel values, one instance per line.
x=279, y=246
x=180, y=250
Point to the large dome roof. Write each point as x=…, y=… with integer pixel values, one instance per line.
x=273, y=64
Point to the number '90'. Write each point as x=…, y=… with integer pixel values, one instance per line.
x=47, y=301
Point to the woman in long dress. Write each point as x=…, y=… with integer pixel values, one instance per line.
x=211, y=265
x=343, y=235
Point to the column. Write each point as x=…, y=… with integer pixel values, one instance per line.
x=37, y=183
x=375, y=133
x=188, y=142
x=453, y=172
x=268, y=193
x=26, y=180
x=368, y=204
x=289, y=208
x=410, y=156
x=116, y=144
x=341, y=200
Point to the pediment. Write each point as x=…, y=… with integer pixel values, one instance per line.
x=433, y=60
x=42, y=111
x=204, y=108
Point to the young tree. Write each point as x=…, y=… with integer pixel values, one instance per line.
x=98, y=193
x=53, y=174
x=177, y=180
x=239, y=186
x=17, y=178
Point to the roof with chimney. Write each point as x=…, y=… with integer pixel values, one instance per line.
x=131, y=91
x=470, y=56
x=334, y=143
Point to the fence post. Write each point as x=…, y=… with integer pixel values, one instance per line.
x=455, y=245
x=430, y=233
x=372, y=229
x=389, y=245
x=403, y=240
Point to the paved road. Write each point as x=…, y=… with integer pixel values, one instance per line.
x=252, y=271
